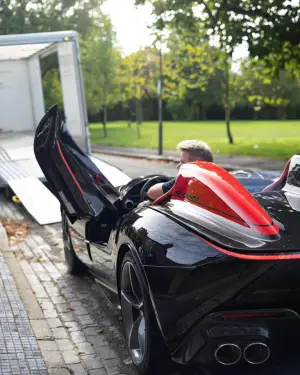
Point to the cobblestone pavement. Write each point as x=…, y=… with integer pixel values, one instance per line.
x=76, y=330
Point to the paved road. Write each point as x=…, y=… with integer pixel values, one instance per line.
x=226, y=160
x=137, y=167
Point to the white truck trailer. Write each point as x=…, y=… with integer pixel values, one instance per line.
x=22, y=107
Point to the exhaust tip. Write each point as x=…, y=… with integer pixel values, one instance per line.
x=228, y=354
x=257, y=353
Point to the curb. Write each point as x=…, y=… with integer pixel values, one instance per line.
x=3, y=239
x=167, y=159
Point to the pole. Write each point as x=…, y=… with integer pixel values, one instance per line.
x=160, y=113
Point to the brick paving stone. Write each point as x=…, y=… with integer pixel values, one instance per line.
x=99, y=371
x=67, y=317
x=40, y=329
x=97, y=341
x=110, y=363
x=58, y=299
x=80, y=310
x=64, y=344
x=72, y=326
x=59, y=371
x=78, y=369
x=78, y=337
x=53, y=358
x=114, y=371
x=92, y=361
x=85, y=348
x=50, y=314
x=48, y=345
x=107, y=353
x=75, y=304
x=85, y=320
x=91, y=331
x=61, y=307
x=70, y=357
x=59, y=333
x=54, y=323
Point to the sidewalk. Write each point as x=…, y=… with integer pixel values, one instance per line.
x=46, y=325
x=19, y=349
x=229, y=161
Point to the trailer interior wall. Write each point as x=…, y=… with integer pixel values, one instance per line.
x=72, y=92
x=36, y=89
x=16, y=111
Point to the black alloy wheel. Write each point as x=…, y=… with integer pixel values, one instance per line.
x=143, y=337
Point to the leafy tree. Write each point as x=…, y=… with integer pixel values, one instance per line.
x=271, y=28
x=24, y=16
x=189, y=74
x=263, y=91
x=137, y=77
x=52, y=86
x=100, y=60
x=183, y=17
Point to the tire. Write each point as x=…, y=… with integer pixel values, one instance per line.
x=75, y=266
x=149, y=355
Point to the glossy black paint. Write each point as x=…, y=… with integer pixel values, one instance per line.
x=193, y=280
x=191, y=284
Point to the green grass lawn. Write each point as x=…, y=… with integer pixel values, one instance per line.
x=274, y=139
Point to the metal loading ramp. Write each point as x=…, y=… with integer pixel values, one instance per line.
x=20, y=171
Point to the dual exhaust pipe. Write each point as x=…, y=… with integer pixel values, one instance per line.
x=255, y=353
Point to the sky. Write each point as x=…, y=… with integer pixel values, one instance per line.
x=131, y=23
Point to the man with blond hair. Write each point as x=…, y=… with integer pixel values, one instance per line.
x=190, y=150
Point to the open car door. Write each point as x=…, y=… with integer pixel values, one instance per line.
x=81, y=188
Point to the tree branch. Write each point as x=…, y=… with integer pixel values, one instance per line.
x=210, y=14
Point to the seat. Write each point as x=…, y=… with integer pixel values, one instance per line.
x=279, y=184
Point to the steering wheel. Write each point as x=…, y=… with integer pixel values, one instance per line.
x=152, y=181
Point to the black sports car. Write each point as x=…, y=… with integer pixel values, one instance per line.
x=207, y=275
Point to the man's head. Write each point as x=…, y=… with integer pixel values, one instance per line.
x=192, y=150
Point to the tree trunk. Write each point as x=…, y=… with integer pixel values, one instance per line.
x=105, y=121
x=284, y=113
x=255, y=115
x=203, y=112
x=227, y=104
x=281, y=113
x=129, y=116
x=138, y=117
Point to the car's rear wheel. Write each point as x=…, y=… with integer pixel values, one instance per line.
x=75, y=266
x=143, y=337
